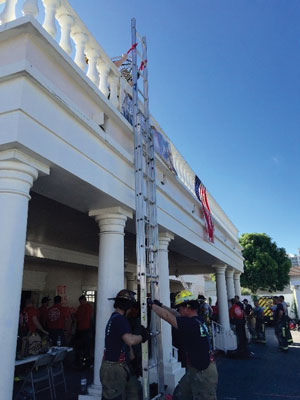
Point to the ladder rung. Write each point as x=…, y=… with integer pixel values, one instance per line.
x=139, y=37
x=153, y=334
x=154, y=365
x=141, y=93
x=139, y=54
x=152, y=276
x=157, y=397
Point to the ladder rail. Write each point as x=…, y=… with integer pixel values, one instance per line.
x=146, y=211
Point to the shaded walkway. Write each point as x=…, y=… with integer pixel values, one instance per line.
x=269, y=375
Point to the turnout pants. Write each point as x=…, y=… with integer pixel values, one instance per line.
x=198, y=385
x=287, y=330
x=118, y=383
x=241, y=335
x=280, y=332
x=260, y=330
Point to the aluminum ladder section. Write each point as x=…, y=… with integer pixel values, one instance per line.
x=146, y=213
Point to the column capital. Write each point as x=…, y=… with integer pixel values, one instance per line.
x=112, y=219
x=164, y=238
x=220, y=269
x=229, y=272
x=23, y=158
x=18, y=172
x=237, y=275
x=168, y=236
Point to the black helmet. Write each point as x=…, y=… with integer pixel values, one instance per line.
x=125, y=294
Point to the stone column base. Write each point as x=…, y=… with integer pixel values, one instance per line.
x=172, y=375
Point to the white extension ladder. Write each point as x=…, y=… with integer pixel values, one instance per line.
x=146, y=213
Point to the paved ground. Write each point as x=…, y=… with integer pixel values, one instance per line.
x=268, y=375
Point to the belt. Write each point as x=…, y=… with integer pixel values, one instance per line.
x=115, y=362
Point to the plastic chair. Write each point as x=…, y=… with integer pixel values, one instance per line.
x=57, y=371
x=38, y=374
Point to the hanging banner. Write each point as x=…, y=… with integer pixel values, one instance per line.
x=200, y=191
x=162, y=147
x=127, y=108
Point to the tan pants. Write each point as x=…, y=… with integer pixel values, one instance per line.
x=198, y=385
x=118, y=383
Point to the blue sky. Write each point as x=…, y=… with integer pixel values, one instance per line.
x=225, y=86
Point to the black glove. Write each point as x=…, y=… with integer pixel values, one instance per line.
x=149, y=302
x=145, y=334
x=157, y=303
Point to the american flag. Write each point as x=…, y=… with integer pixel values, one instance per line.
x=200, y=191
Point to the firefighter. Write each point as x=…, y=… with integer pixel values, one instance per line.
x=237, y=318
x=259, y=322
x=279, y=325
x=201, y=377
x=286, y=320
x=249, y=316
x=117, y=380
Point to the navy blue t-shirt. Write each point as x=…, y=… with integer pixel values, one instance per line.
x=279, y=307
x=115, y=348
x=195, y=342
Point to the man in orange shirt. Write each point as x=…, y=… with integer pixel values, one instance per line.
x=56, y=321
x=31, y=315
x=83, y=333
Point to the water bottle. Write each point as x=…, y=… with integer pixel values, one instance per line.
x=58, y=342
x=83, y=385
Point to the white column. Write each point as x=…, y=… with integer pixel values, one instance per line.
x=92, y=73
x=237, y=283
x=9, y=12
x=222, y=296
x=230, y=284
x=50, y=10
x=30, y=7
x=131, y=281
x=114, y=81
x=16, y=180
x=103, y=69
x=66, y=22
x=110, y=276
x=172, y=368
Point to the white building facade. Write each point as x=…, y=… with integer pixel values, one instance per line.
x=295, y=259
x=67, y=196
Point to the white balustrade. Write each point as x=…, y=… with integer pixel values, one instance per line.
x=66, y=21
x=114, y=82
x=103, y=69
x=9, y=12
x=30, y=7
x=93, y=56
x=50, y=10
x=80, y=39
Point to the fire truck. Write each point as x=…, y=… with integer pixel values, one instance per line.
x=267, y=303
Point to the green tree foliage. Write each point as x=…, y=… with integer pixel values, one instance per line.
x=266, y=266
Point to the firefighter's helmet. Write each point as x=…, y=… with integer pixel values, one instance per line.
x=184, y=297
x=126, y=294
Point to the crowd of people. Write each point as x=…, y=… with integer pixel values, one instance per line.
x=243, y=315
x=58, y=325
x=190, y=318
